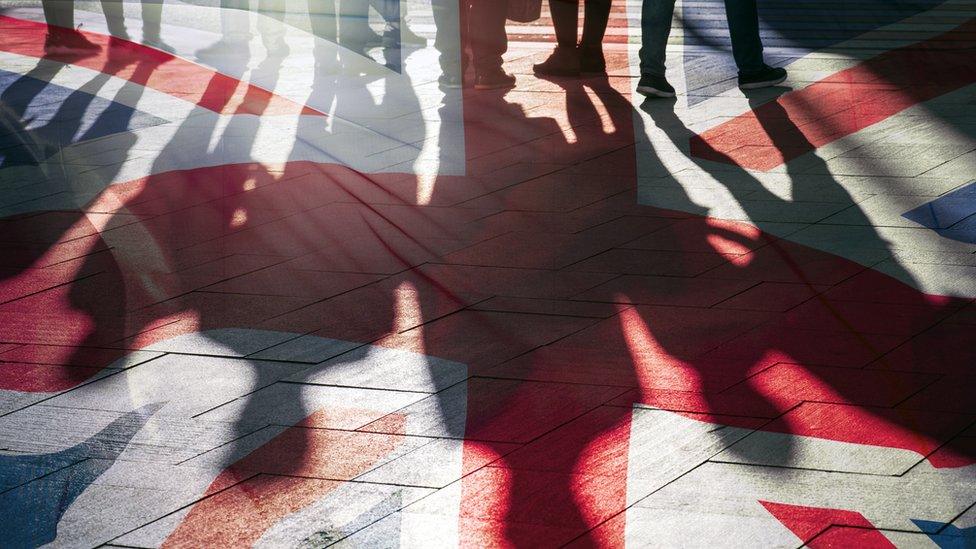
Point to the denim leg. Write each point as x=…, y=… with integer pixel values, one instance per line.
x=450, y=18
x=487, y=30
x=743, y=17
x=655, y=27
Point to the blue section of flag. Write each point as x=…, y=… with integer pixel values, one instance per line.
x=36, y=490
x=789, y=30
x=947, y=536
x=38, y=118
x=952, y=215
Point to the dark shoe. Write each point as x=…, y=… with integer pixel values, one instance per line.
x=563, y=62
x=69, y=42
x=592, y=61
x=763, y=79
x=493, y=80
x=654, y=86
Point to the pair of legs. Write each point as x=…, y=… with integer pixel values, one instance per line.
x=152, y=14
x=743, y=18
x=61, y=13
x=570, y=59
x=747, y=49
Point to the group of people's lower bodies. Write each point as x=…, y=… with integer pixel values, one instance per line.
x=484, y=21
x=479, y=26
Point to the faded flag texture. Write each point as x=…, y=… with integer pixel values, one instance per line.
x=267, y=278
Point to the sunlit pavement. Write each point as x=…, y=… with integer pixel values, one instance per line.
x=257, y=288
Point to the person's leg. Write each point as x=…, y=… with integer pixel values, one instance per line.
x=322, y=17
x=596, y=17
x=565, y=21
x=743, y=17
x=353, y=25
x=152, y=15
x=564, y=60
x=488, y=39
x=656, y=18
x=272, y=27
x=55, y=13
x=115, y=18
x=66, y=40
x=489, y=42
x=450, y=17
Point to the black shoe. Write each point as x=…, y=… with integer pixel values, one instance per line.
x=654, y=86
x=592, y=61
x=562, y=62
x=493, y=80
x=763, y=79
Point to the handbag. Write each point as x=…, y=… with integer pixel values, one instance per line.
x=524, y=11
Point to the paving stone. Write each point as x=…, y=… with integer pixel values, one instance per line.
x=287, y=404
x=379, y=368
x=231, y=343
x=496, y=410
x=185, y=384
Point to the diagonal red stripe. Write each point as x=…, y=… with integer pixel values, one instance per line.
x=843, y=103
x=171, y=75
x=825, y=528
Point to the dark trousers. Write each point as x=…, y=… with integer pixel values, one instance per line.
x=486, y=28
x=450, y=18
x=743, y=18
x=565, y=20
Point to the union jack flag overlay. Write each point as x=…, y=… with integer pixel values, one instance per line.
x=261, y=287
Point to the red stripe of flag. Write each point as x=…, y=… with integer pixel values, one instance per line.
x=171, y=75
x=843, y=103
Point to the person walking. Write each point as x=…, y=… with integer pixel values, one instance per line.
x=570, y=58
x=743, y=19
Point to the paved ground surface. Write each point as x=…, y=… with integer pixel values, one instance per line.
x=297, y=296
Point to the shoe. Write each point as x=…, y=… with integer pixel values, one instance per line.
x=493, y=80
x=157, y=43
x=563, y=61
x=592, y=62
x=69, y=42
x=450, y=82
x=765, y=78
x=654, y=86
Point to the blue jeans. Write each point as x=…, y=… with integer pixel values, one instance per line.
x=743, y=18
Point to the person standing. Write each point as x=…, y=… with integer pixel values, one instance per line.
x=570, y=58
x=747, y=49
